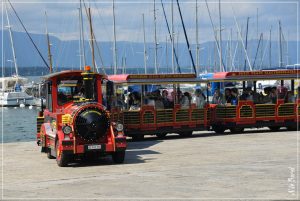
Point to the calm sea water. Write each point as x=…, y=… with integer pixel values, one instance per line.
x=18, y=124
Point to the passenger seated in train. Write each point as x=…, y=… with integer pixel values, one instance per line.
x=119, y=101
x=218, y=97
x=149, y=99
x=167, y=100
x=256, y=97
x=247, y=94
x=154, y=99
x=129, y=100
x=228, y=95
x=273, y=95
x=266, y=98
x=179, y=96
x=290, y=97
x=172, y=99
x=234, y=96
x=134, y=101
x=282, y=93
x=79, y=91
x=199, y=99
x=186, y=100
x=298, y=93
x=158, y=100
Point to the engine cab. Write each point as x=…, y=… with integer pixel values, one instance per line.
x=75, y=122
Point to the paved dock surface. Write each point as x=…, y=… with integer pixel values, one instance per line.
x=260, y=165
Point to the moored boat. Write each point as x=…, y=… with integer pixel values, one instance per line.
x=11, y=92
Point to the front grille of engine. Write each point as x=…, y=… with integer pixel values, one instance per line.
x=91, y=124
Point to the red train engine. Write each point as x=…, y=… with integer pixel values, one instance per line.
x=74, y=122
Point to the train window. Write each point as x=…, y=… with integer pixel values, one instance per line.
x=107, y=93
x=160, y=96
x=42, y=94
x=72, y=89
x=49, y=96
x=104, y=92
x=66, y=90
x=118, y=96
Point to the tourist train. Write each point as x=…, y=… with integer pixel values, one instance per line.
x=74, y=123
x=183, y=103
x=88, y=113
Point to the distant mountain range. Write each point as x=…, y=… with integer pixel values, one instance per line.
x=130, y=54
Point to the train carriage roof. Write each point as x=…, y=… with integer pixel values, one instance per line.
x=154, y=78
x=258, y=75
x=67, y=73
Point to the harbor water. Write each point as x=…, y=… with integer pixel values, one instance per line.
x=18, y=124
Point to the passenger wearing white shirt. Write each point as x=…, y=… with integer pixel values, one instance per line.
x=199, y=99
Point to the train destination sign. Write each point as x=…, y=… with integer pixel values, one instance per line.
x=161, y=76
x=263, y=73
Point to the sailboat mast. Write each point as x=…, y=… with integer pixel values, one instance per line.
x=155, y=40
x=262, y=49
x=145, y=51
x=245, y=64
x=230, y=50
x=197, y=39
x=115, y=43
x=12, y=42
x=82, y=34
x=280, y=44
x=92, y=41
x=287, y=49
x=270, y=50
x=80, y=49
x=48, y=45
x=241, y=39
x=186, y=38
x=172, y=35
x=220, y=36
x=215, y=36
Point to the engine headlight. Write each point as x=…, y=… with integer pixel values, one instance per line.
x=119, y=127
x=67, y=129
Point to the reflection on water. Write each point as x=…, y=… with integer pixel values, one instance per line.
x=18, y=124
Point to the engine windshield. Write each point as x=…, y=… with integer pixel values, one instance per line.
x=71, y=89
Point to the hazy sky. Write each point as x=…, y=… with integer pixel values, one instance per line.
x=63, y=20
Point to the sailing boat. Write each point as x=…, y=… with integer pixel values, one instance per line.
x=11, y=93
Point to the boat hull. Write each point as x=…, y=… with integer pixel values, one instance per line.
x=12, y=99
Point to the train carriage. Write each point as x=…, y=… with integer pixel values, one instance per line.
x=153, y=119
x=150, y=120
x=74, y=122
x=250, y=113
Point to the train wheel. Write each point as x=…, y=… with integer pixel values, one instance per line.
x=49, y=154
x=274, y=128
x=137, y=137
x=186, y=134
x=62, y=158
x=118, y=156
x=41, y=143
x=236, y=130
x=219, y=129
x=292, y=128
x=43, y=149
x=161, y=135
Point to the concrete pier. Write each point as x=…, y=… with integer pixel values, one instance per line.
x=253, y=165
